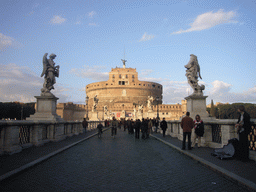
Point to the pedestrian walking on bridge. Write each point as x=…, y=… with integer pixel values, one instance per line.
x=163, y=126
x=137, y=129
x=114, y=125
x=144, y=128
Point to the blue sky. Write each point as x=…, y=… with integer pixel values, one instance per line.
x=90, y=37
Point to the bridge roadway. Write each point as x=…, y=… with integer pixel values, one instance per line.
x=120, y=164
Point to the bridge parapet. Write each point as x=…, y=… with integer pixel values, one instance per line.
x=216, y=132
x=17, y=135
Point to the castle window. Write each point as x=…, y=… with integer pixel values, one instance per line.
x=158, y=86
x=133, y=80
x=153, y=85
x=126, y=76
x=144, y=85
x=113, y=80
x=166, y=113
x=120, y=76
x=113, y=76
x=106, y=84
x=139, y=84
x=132, y=76
x=121, y=82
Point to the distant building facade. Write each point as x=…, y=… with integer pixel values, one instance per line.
x=123, y=96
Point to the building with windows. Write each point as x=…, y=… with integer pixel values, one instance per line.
x=123, y=95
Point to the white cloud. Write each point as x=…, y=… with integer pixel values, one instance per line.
x=209, y=20
x=175, y=91
x=93, y=73
x=146, y=37
x=57, y=20
x=222, y=92
x=19, y=83
x=91, y=14
x=219, y=91
x=5, y=41
x=220, y=87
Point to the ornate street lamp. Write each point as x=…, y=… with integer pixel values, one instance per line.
x=157, y=115
x=87, y=99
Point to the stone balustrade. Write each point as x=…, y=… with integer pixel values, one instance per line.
x=17, y=135
x=217, y=132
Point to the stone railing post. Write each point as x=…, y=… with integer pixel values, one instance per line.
x=11, y=142
x=35, y=134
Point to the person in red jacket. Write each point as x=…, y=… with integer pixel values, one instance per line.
x=187, y=126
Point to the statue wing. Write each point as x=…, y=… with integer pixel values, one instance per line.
x=45, y=63
x=198, y=70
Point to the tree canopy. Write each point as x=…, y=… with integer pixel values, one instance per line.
x=15, y=110
x=229, y=111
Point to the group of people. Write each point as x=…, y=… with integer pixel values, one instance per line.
x=243, y=127
x=187, y=124
x=144, y=126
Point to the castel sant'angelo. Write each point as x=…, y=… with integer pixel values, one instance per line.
x=122, y=96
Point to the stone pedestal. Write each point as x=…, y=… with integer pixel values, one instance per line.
x=196, y=105
x=94, y=116
x=46, y=109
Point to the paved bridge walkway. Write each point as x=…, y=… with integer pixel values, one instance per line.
x=120, y=164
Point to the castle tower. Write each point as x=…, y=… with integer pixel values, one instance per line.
x=123, y=90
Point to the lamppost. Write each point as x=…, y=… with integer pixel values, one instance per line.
x=157, y=114
x=87, y=99
x=123, y=113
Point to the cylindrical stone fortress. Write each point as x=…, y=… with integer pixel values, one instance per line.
x=123, y=86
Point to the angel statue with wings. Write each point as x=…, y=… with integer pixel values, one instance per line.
x=50, y=71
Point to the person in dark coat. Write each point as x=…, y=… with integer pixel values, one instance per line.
x=144, y=128
x=199, y=131
x=163, y=126
x=129, y=125
x=157, y=124
x=137, y=129
x=85, y=124
x=243, y=129
x=187, y=126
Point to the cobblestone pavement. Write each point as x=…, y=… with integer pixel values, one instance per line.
x=120, y=164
